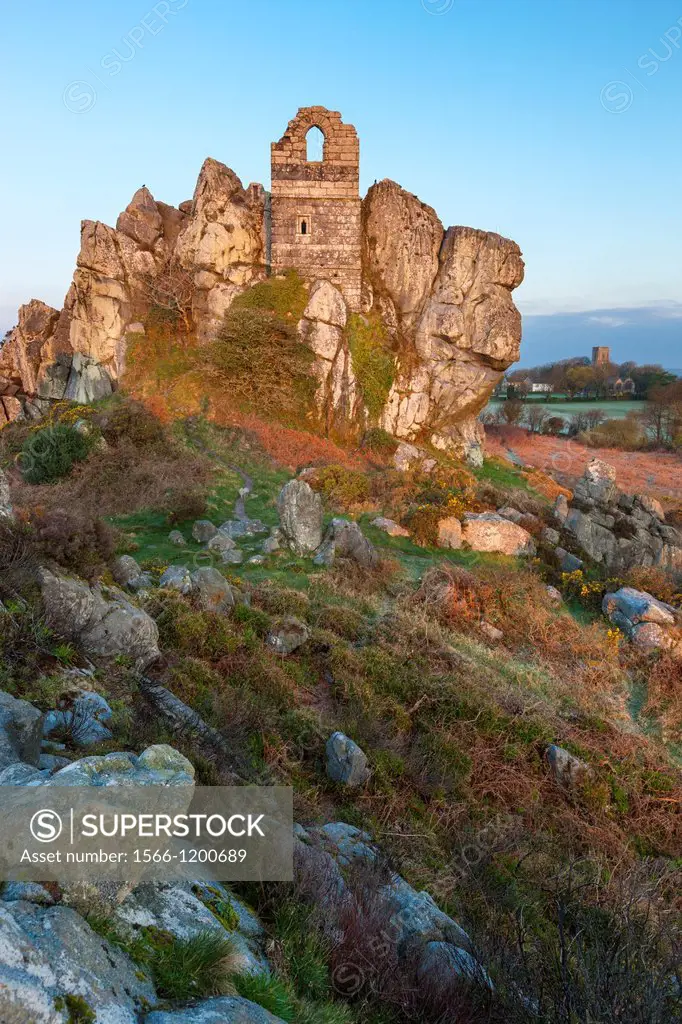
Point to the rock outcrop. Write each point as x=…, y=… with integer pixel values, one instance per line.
x=618, y=531
x=644, y=619
x=447, y=298
x=444, y=297
x=99, y=619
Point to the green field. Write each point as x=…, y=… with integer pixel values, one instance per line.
x=613, y=409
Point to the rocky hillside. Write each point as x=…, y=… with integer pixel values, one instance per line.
x=438, y=326
x=473, y=693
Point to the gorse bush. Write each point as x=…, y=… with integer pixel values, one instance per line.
x=343, y=488
x=50, y=453
x=258, y=356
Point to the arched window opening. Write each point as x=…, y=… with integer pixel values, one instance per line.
x=314, y=145
x=304, y=227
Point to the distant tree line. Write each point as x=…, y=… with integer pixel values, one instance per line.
x=578, y=376
x=657, y=425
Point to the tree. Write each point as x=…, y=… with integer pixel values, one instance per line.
x=651, y=376
x=662, y=414
x=171, y=291
x=512, y=411
x=535, y=416
x=578, y=378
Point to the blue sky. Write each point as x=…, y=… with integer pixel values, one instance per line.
x=555, y=122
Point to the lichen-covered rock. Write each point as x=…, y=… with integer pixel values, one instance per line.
x=568, y=770
x=176, y=537
x=21, y=731
x=184, y=910
x=220, y=543
x=176, y=577
x=158, y=765
x=125, y=569
x=390, y=527
x=49, y=953
x=346, y=761
x=82, y=717
x=6, y=510
x=300, y=515
x=287, y=634
x=638, y=606
x=347, y=540
x=213, y=592
x=99, y=619
x=598, y=483
x=203, y=530
x=488, y=531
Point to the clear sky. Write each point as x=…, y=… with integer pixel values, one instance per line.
x=502, y=114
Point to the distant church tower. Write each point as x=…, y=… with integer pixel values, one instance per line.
x=315, y=225
x=601, y=355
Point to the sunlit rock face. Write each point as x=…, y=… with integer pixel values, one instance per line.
x=446, y=296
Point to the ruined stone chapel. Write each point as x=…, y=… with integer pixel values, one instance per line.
x=315, y=206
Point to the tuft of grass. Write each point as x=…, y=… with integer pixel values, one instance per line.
x=268, y=991
x=194, y=968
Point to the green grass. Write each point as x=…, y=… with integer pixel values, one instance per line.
x=503, y=476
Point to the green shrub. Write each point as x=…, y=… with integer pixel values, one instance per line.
x=259, y=357
x=284, y=295
x=379, y=442
x=373, y=362
x=342, y=487
x=50, y=453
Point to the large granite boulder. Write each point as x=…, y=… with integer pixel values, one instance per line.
x=99, y=619
x=300, y=515
x=347, y=540
x=54, y=966
x=618, y=531
x=401, y=239
x=184, y=910
x=346, y=761
x=643, y=618
x=447, y=296
x=21, y=731
x=489, y=531
x=212, y=591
